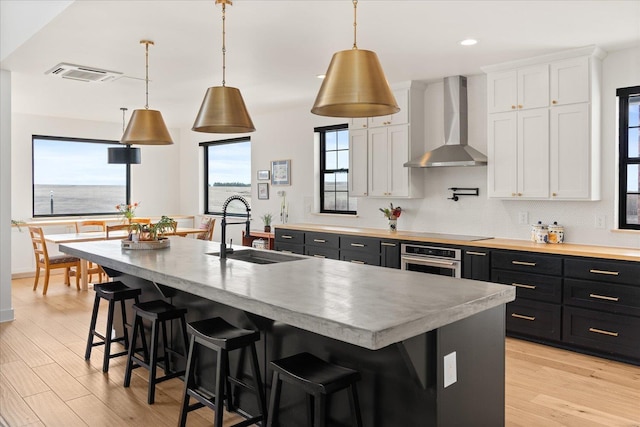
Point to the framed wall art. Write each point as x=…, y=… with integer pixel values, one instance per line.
x=263, y=191
x=281, y=172
x=264, y=175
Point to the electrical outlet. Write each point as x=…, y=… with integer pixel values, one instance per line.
x=523, y=218
x=450, y=369
x=601, y=221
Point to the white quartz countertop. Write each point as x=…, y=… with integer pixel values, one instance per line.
x=368, y=306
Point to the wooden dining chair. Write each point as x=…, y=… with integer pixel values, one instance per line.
x=43, y=260
x=207, y=225
x=141, y=220
x=112, y=228
x=92, y=225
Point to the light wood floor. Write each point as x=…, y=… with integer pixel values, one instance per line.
x=44, y=380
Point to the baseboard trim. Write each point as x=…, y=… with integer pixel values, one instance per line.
x=7, y=315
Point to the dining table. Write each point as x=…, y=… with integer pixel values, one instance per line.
x=93, y=236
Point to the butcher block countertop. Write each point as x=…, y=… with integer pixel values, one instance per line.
x=571, y=249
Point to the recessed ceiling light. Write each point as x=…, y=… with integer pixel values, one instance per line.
x=468, y=42
x=321, y=76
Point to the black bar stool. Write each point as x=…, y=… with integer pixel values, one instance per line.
x=318, y=379
x=218, y=335
x=158, y=312
x=112, y=292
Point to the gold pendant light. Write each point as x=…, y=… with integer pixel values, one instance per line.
x=223, y=109
x=355, y=85
x=146, y=127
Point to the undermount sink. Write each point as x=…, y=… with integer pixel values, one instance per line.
x=259, y=257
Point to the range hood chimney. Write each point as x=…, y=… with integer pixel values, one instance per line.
x=455, y=151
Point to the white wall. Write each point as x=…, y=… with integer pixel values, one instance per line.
x=6, y=307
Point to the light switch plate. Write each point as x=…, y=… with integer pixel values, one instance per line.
x=450, y=369
x=523, y=218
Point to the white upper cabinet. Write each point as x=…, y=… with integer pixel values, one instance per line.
x=358, y=161
x=543, y=127
x=401, y=117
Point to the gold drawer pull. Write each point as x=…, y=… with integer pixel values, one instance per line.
x=388, y=244
x=319, y=240
x=319, y=256
x=286, y=252
x=355, y=261
x=520, y=285
x=476, y=253
x=358, y=245
x=603, y=332
x=609, y=273
x=528, y=264
x=616, y=299
x=286, y=236
x=522, y=316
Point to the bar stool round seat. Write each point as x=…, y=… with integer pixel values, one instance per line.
x=218, y=335
x=158, y=312
x=112, y=292
x=318, y=379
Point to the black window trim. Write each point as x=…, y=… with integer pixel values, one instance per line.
x=205, y=145
x=321, y=131
x=623, y=133
x=82, y=140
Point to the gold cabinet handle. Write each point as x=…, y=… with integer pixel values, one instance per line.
x=554, y=194
x=522, y=316
x=603, y=332
x=528, y=264
x=554, y=102
x=387, y=244
x=513, y=194
x=355, y=261
x=319, y=240
x=519, y=105
x=286, y=236
x=608, y=273
x=357, y=245
x=519, y=194
x=319, y=256
x=513, y=107
x=286, y=252
x=604, y=297
x=521, y=285
x=476, y=253
x=364, y=126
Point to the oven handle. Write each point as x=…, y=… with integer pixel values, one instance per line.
x=430, y=261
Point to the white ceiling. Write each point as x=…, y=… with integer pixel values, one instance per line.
x=275, y=49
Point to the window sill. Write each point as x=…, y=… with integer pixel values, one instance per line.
x=625, y=231
x=336, y=215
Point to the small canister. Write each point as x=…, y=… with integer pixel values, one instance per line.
x=534, y=231
x=540, y=233
x=259, y=244
x=556, y=233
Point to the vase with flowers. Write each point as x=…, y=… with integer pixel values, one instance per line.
x=392, y=214
x=128, y=211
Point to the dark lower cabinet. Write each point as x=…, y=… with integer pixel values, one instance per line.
x=476, y=264
x=534, y=318
x=390, y=253
x=289, y=248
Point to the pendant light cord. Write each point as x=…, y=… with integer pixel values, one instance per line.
x=146, y=78
x=224, y=46
x=355, y=24
x=123, y=111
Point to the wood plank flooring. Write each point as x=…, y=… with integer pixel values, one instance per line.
x=44, y=380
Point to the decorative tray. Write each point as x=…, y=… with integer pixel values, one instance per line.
x=146, y=244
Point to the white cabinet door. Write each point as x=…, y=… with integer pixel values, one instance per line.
x=358, y=123
x=378, y=172
x=358, y=162
x=570, y=81
x=502, y=91
x=398, y=149
x=570, y=156
x=533, y=153
x=533, y=87
x=401, y=117
x=503, y=155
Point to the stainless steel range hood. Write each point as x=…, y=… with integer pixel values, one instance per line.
x=455, y=151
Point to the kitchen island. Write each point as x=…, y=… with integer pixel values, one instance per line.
x=395, y=327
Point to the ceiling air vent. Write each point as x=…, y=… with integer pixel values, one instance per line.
x=82, y=73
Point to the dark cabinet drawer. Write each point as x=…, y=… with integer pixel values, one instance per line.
x=532, y=286
x=289, y=236
x=360, y=257
x=538, y=319
x=322, y=252
x=325, y=240
x=527, y=262
x=288, y=247
x=606, y=333
x=603, y=270
x=619, y=299
x=476, y=264
x=360, y=244
x=390, y=253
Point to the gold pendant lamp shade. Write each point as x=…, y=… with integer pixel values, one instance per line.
x=355, y=85
x=146, y=127
x=223, y=109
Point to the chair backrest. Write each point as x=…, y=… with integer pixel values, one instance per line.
x=207, y=225
x=39, y=244
x=91, y=225
x=141, y=220
x=111, y=228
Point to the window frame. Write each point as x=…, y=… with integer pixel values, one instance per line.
x=127, y=172
x=623, y=159
x=321, y=131
x=206, y=146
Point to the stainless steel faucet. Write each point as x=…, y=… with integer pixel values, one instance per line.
x=223, y=244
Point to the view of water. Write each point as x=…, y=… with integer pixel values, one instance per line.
x=217, y=196
x=77, y=199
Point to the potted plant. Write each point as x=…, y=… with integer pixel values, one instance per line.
x=266, y=219
x=153, y=231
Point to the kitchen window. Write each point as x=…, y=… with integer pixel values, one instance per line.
x=334, y=171
x=227, y=166
x=71, y=176
x=629, y=135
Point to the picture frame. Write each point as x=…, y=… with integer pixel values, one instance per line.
x=281, y=172
x=263, y=191
x=264, y=175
